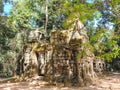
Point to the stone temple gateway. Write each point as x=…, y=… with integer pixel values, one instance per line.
x=66, y=58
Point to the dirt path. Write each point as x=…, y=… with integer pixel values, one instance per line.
x=111, y=82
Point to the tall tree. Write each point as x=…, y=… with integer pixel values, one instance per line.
x=46, y=22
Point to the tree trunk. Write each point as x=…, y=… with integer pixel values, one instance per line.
x=46, y=22
x=107, y=2
x=78, y=69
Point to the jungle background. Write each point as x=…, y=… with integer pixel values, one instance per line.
x=100, y=17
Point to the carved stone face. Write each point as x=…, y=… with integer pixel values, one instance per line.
x=36, y=35
x=26, y=61
x=31, y=35
x=41, y=36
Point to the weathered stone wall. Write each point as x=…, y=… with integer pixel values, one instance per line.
x=58, y=60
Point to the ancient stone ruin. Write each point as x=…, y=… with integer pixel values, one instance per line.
x=65, y=59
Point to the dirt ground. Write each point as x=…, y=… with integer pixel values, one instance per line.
x=109, y=82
